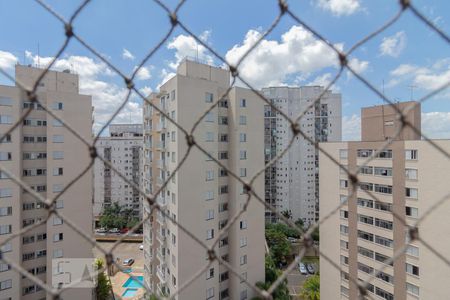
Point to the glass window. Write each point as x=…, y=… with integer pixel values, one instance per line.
x=209, y=97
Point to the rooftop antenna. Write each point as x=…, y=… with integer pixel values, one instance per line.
x=412, y=90
x=38, y=59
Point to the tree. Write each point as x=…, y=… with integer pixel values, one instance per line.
x=272, y=273
x=300, y=223
x=315, y=234
x=311, y=288
x=285, y=229
x=287, y=214
x=115, y=216
x=278, y=245
x=103, y=289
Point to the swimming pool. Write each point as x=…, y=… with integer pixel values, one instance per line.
x=129, y=293
x=136, y=282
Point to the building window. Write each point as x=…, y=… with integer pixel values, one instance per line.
x=209, y=137
x=5, y=192
x=5, y=156
x=243, y=259
x=243, y=224
x=59, y=203
x=58, y=106
x=209, y=234
x=223, y=120
x=6, y=139
x=243, y=103
x=209, y=175
x=209, y=97
x=413, y=289
x=243, y=241
x=244, y=277
x=4, y=267
x=412, y=250
x=209, y=195
x=58, y=187
x=411, y=269
x=57, y=253
x=5, y=229
x=5, y=119
x=210, y=214
x=210, y=273
x=57, y=171
x=209, y=117
x=411, y=154
x=58, y=155
x=4, y=285
x=411, y=174
x=57, y=138
x=210, y=293
x=343, y=183
x=223, y=189
x=243, y=172
x=58, y=237
x=6, y=101
x=242, y=120
x=243, y=154
x=223, y=155
x=412, y=212
x=242, y=137
x=57, y=123
x=243, y=295
x=411, y=193
x=57, y=220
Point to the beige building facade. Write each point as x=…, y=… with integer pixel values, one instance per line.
x=406, y=179
x=46, y=156
x=201, y=196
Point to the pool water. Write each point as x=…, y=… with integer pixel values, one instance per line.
x=136, y=282
x=129, y=293
x=127, y=271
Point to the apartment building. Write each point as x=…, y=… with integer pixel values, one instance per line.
x=406, y=179
x=201, y=196
x=291, y=184
x=46, y=156
x=123, y=150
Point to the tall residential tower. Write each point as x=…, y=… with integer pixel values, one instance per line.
x=46, y=156
x=291, y=183
x=398, y=186
x=201, y=196
x=123, y=150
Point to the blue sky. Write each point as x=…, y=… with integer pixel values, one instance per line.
x=407, y=53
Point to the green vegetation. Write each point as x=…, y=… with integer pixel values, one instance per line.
x=115, y=216
x=103, y=289
x=311, y=288
x=272, y=273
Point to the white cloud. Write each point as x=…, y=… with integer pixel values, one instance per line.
x=7, y=60
x=436, y=125
x=340, y=7
x=426, y=78
x=272, y=61
x=393, y=45
x=143, y=73
x=185, y=45
x=351, y=128
x=106, y=95
x=126, y=54
x=165, y=76
x=145, y=91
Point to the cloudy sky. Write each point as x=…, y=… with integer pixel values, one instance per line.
x=407, y=54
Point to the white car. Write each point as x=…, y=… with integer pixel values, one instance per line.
x=141, y=247
x=302, y=268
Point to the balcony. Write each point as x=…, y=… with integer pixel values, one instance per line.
x=161, y=275
x=161, y=127
x=161, y=163
x=161, y=146
x=161, y=219
x=161, y=239
x=148, y=128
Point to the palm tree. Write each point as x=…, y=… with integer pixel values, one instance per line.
x=311, y=288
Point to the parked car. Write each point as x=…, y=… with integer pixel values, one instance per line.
x=124, y=230
x=292, y=240
x=141, y=247
x=302, y=268
x=310, y=268
x=128, y=262
x=101, y=230
x=114, y=230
